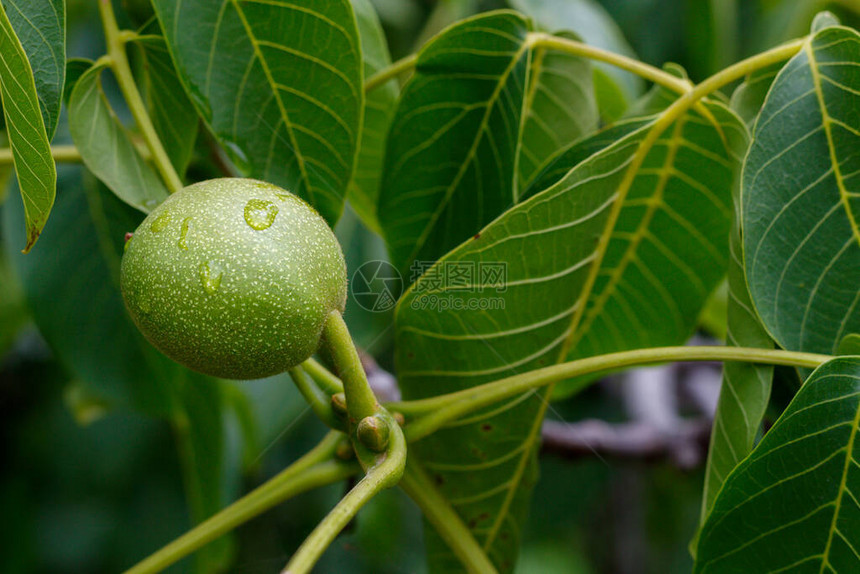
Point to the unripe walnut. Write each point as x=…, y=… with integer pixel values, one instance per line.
x=234, y=278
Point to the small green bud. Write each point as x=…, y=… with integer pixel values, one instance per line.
x=373, y=433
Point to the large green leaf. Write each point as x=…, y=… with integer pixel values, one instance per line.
x=801, y=197
x=279, y=83
x=31, y=149
x=616, y=255
x=477, y=107
x=106, y=147
x=173, y=115
x=379, y=107
x=748, y=98
x=560, y=108
x=41, y=27
x=746, y=387
x=792, y=506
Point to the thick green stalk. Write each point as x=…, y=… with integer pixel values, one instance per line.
x=641, y=69
x=324, y=378
x=385, y=474
x=436, y=412
x=360, y=400
x=382, y=76
x=115, y=40
x=437, y=510
x=313, y=470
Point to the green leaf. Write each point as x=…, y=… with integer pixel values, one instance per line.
x=379, y=108
x=72, y=287
x=279, y=83
x=560, y=108
x=173, y=115
x=746, y=387
x=471, y=116
x=106, y=146
x=790, y=506
x=31, y=150
x=566, y=294
x=800, y=202
x=41, y=27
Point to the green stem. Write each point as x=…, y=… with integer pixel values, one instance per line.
x=385, y=474
x=656, y=75
x=382, y=76
x=437, y=510
x=324, y=378
x=311, y=471
x=436, y=412
x=60, y=153
x=115, y=40
x=360, y=400
x=319, y=402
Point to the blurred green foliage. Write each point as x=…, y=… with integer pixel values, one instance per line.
x=85, y=488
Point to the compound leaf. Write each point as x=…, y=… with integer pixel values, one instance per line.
x=280, y=84
x=802, y=233
x=791, y=505
x=632, y=234
x=470, y=128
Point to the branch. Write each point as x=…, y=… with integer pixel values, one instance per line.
x=60, y=153
x=686, y=447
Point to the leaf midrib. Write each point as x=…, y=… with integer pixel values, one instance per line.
x=300, y=159
x=843, y=487
x=827, y=121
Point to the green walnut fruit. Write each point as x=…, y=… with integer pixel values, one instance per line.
x=233, y=278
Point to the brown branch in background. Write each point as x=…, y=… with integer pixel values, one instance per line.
x=685, y=448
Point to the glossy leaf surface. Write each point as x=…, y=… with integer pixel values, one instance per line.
x=802, y=231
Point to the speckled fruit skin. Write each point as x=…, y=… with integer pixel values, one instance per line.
x=233, y=278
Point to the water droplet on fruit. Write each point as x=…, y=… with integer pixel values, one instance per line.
x=210, y=276
x=183, y=233
x=161, y=222
x=260, y=214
